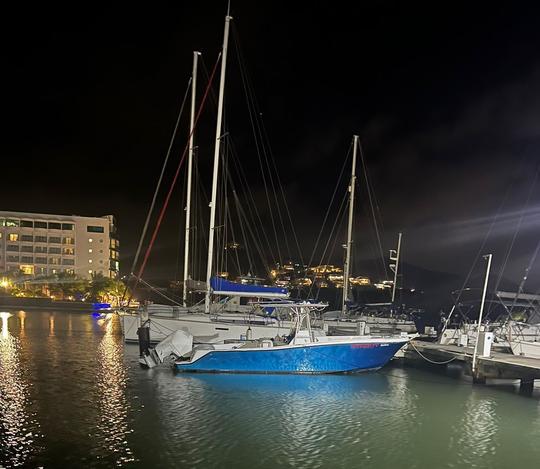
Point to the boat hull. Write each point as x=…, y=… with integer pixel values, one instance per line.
x=204, y=328
x=310, y=358
x=525, y=348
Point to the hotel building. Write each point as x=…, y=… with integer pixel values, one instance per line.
x=43, y=244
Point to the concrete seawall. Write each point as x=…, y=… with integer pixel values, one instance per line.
x=12, y=302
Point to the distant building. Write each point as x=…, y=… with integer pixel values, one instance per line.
x=44, y=244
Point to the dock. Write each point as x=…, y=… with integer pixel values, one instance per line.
x=498, y=365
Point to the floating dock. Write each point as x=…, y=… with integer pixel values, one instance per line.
x=498, y=365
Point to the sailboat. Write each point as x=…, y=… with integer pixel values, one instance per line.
x=233, y=315
x=346, y=320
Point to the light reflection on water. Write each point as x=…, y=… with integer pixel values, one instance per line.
x=97, y=408
x=111, y=380
x=477, y=431
x=18, y=429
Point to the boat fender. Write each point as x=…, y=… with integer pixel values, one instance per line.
x=144, y=340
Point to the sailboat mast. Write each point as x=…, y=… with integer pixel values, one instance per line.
x=347, y=266
x=190, y=170
x=488, y=257
x=216, y=164
x=396, y=269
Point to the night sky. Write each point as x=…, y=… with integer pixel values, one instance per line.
x=445, y=99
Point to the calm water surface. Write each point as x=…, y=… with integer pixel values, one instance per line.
x=73, y=395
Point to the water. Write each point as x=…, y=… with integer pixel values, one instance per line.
x=73, y=395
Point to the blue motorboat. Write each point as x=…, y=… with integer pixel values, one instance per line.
x=305, y=350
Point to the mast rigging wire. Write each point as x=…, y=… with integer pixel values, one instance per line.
x=330, y=206
x=513, y=240
x=337, y=221
x=151, y=208
x=478, y=253
x=253, y=211
x=166, y=203
x=369, y=190
x=262, y=141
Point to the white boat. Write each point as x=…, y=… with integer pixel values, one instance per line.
x=525, y=348
x=206, y=328
x=508, y=334
x=524, y=339
x=225, y=314
x=346, y=320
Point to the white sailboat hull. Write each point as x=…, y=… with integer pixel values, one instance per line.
x=207, y=328
x=525, y=348
x=373, y=324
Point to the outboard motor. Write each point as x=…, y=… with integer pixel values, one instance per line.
x=178, y=343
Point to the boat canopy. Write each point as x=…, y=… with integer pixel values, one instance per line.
x=220, y=286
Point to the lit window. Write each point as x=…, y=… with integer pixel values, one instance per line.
x=89, y=261
x=13, y=237
x=90, y=250
x=90, y=240
x=68, y=240
x=27, y=269
x=90, y=271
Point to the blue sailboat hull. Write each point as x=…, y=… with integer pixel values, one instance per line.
x=313, y=358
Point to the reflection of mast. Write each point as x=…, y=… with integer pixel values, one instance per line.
x=22, y=320
x=190, y=166
x=51, y=324
x=111, y=381
x=216, y=165
x=4, y=317
x=19, y=427
x=347, y=266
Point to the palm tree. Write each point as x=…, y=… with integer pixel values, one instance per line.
x=64, y=285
